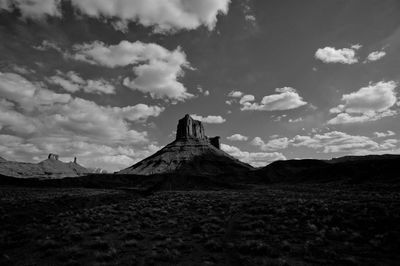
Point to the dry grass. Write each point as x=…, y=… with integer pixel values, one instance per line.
x=279, y=225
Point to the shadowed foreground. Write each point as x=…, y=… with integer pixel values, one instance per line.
x=275, y=225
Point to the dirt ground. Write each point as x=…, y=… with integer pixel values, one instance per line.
x=275, y=225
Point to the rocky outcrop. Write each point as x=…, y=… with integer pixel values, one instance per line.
x=52, y=167
x=215, y=142
x=53, y=156
x=192, y=152
x=189, y=128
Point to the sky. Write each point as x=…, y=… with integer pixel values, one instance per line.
x=107, y=80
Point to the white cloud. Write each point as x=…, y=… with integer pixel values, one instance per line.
x=21, y=70
x=64, y=83
x=376, y=55
x=50, y=122
x=256, y=159
x=99, y=86
x=235, y=94
x=388, y=133
x=247, y=98
x=16, y=122
x=122, y=54
x=331, y=142
x=16, y=88
x=333, y=55
x=237, y=137
x=367, y=104
x=48, y=45
x=156, y=69
x=164, y=16
x=286, y=98
x=211, y=119
x=345, y=118
x=33, y=9
x=272, y=145
x=138, y=112
x=356, y=46
x=295, y=120
x=336, y=141
x=72, y=82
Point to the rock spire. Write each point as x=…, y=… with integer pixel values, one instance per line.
x=188, y=128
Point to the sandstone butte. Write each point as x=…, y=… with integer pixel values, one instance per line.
x=192, y=152
x=52, y=167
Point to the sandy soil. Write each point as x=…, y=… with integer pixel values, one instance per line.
x=276, y=225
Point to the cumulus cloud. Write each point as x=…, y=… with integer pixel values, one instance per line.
x=211, y=119
x=33, y=9
x=156, y=69
x=72, y=82
x=235, y=94
x=257, y=159
x=46, y=122
x=375, y=56
x=333, y=55
x=331, y=142
x=16, y=88
x=164, y=16
x=48, y=45
x=246, y=98
x=388, y=133
x=286, y=98
x=336, y=141
x=272, y=145
x=345, y=118
x=237, y=137
x=367, y=104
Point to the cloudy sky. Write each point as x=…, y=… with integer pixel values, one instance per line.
x=107, y=80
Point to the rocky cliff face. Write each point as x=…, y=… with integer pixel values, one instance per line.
x=192, y=152
x=188, y=128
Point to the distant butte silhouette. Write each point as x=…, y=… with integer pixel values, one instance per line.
x=52, y=167
x=192, y=152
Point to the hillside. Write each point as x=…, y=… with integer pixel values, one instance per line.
x=370, y=168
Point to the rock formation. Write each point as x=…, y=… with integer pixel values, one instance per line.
x=53, y=156
x=192, y=152
x=188, y=128
x=52, y=167
x=215, y=142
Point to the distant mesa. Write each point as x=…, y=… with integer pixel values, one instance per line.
x=192, y=152
x=52, y=167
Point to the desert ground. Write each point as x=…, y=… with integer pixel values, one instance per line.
x=303, y=224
